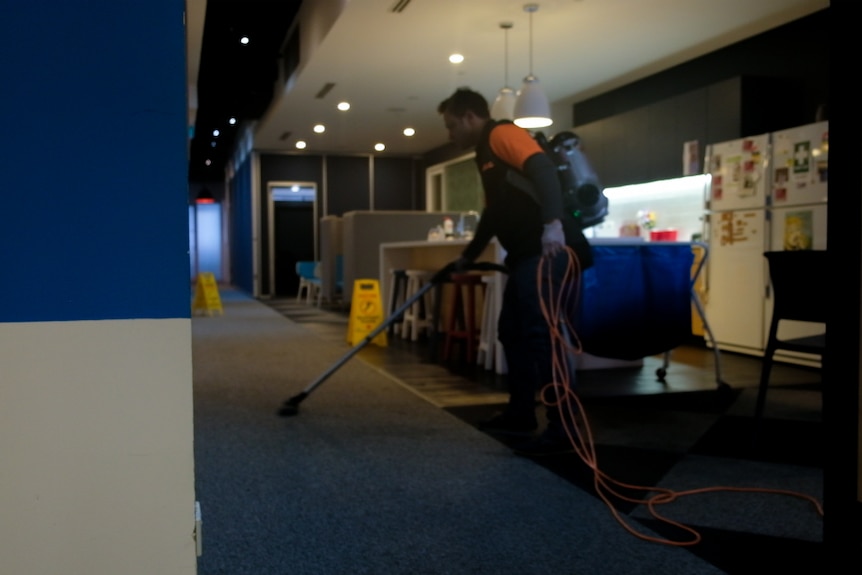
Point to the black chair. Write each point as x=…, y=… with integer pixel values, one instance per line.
x=799, y=292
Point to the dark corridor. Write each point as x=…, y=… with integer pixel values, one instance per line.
x=294, y=241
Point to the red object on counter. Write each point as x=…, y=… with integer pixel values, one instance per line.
x=662, y=235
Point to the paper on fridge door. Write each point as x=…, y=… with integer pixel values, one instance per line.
x=800, y=164
x=798, y=228
x=739, y=170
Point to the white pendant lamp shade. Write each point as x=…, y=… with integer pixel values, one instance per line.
x=504, y=106
x=532, y=109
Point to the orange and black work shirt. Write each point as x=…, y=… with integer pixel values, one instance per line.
x=510, y=213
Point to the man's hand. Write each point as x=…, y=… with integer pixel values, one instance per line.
x=460, y=265
x=553, y=238
x=454, y=267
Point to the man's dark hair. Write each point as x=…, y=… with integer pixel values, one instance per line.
x=464, y=100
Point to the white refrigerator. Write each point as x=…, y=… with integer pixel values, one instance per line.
x=738, y=234
x=797, y=206
x=766, y=193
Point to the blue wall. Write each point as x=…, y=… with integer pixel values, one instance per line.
x=93, y=195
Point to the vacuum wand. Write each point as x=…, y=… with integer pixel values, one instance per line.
x=291, y=406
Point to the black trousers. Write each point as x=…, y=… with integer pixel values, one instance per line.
x=525, y=331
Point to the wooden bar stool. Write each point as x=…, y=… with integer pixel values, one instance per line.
x=437, y=328
x=418, y=316
x=397, y=297
x=490, y=352
x=461, y=324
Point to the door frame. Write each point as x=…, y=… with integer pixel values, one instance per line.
x=436, y=186
x=270, y=210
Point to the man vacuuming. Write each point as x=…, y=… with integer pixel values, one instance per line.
x=529, y=227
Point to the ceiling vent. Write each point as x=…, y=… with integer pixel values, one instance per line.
x=399, y=6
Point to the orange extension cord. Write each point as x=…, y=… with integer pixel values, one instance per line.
x=581, y=437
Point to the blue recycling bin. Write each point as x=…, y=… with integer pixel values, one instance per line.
x=636, y=299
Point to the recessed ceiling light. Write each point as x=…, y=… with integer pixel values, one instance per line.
x=232, y=121
x=244, y=40
x=379, y=147
x=319, y=129
x=344, y=106
x=216, y=133
x=300, y=144
x=409, y=131
x=208, y=162
x=456, y=58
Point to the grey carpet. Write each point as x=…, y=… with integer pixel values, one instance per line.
x=369, y=477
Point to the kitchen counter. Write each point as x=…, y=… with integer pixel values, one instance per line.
x=428, y=255
x=433, y=255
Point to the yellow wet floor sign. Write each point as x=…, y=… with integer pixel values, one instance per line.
x=366, y=313
x=206, y=299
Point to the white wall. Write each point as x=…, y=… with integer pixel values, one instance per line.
x=95, y=438
x=677, y=203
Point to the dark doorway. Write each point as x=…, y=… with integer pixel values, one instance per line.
x=294, y=241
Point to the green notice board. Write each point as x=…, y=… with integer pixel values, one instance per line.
x=463, y=187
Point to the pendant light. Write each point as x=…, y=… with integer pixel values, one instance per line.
x=504, y=106
x=532, y=109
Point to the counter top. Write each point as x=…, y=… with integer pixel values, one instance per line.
x=426, y=243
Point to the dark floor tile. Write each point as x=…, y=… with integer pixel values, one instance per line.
x=713, y=401
x=744, y=553
x=640, y=468
x=770, y=440
x=619, y=475
x=473, y=414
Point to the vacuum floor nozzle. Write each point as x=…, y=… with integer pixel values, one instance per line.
x=291, y=406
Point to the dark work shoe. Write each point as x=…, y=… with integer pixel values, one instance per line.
x=545, y=444
x=506, y=424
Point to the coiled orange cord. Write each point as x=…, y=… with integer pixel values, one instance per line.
x=572, y=410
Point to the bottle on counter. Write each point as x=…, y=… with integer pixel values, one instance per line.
x=467, y=225
x=448, y=228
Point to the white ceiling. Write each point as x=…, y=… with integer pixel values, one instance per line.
x=393, y=67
